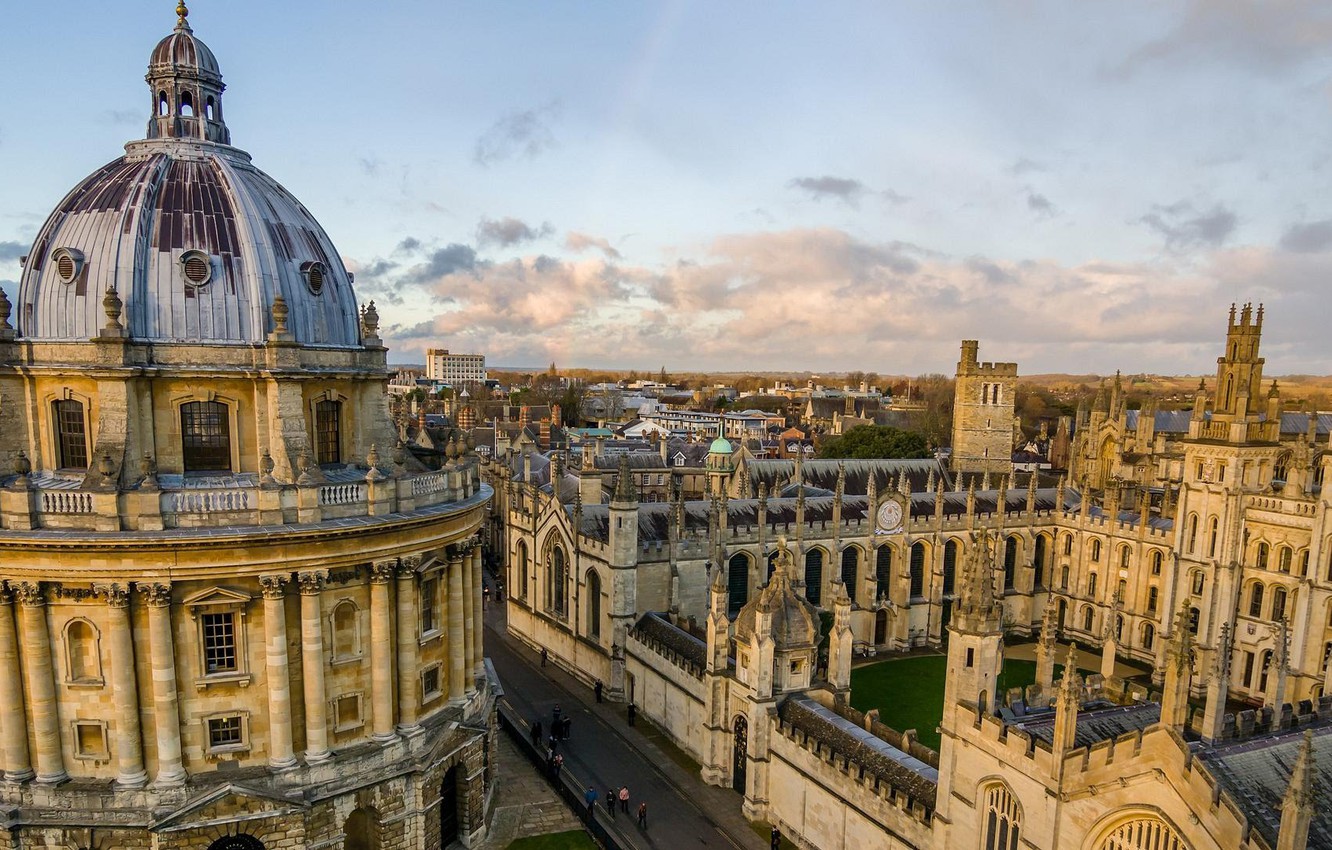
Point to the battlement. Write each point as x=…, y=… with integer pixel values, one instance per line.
x=970, y=364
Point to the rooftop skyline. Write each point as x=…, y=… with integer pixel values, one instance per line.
x=1083, y=187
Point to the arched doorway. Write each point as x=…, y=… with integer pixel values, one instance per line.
x=448, y=808
x=739, y=754
x=237, y=842
x=881, y=627
x=361, y=831
x=945, y=616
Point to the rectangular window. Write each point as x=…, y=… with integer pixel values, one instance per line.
x=225, y=732
x=219, y=636
x=90, y=740
x=1248, y=669
x=430, y=683
x=347, y=712
x=328, y=435
x=205, y=436
x=71, y=436
x=429, y=605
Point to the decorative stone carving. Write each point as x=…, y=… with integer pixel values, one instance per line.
x=148, y=469
x=408, y=564
x=382, y=571
x=274, y=585
x=117, y=595
x=280, y=313
x=5, y=309
x=29, y=592
x=311, y=581
x=157, y=595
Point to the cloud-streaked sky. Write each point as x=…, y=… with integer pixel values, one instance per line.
x=754, y=185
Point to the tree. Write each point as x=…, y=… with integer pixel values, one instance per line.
x=875, y=441
x=935, y=421
x=663, y=378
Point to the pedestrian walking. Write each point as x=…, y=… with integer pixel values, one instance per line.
x=485, y=600
x=776, y=838
x=624, y=799
x=632, y=711
x=536, y=733
x=596, y=689
x=545, y=653
x=555, y=722
x=556, y=765
x=590, y=798
x=553, y=742
x=610, y=801
x=642, y=815
x=564, y=728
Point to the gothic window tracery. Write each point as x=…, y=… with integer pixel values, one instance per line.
x=1002, y=819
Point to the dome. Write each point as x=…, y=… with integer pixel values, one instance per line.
x=194, y=239
x=721, y=445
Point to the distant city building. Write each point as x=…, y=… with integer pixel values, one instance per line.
x=452, y=369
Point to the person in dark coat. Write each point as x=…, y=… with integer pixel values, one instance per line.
x=776, y=838
x=631, y=711
x=545, y=653
x=610, y=800
x=590, y=798
x=642, y=815
x=564, y=728
x=596, y=689
x=536, y=733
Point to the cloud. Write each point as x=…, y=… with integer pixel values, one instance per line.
x=11, y=251
x=839, y=188
x=1309, y=237
x=1186, y=228
x=120, y=116
x=1265, y=37
x=369, y=165
x=441, y=263
x=1026, y=166
x=410, y=245
x=1041, y=205
x=518, y=135
x=507, y=232
x=580, y=242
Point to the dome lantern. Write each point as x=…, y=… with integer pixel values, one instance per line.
x=186, y=85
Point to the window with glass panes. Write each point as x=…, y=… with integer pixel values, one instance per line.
x=205, y=436
x=219, y=637
x=71, y=434
x=225, y=731
x=429, y=605
x=328, y=418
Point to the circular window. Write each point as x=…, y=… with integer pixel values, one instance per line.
x=197, y=267
x=68, y=264
x=314, y=276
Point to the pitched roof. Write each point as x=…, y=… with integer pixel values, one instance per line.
x=823, y=473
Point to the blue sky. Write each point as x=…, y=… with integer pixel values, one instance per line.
x=751, y=186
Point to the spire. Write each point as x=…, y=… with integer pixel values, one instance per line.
x=1179, y=666
x=625, y=491
x=979, y=610
x=1297, y=807
x=1066, y=711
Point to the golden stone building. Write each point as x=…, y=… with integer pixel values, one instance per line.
x=236, y=613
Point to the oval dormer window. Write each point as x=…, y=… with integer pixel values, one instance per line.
x=314, y=273
x=197, y=267
x=68, y=264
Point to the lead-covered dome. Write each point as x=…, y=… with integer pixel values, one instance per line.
x=195, y=240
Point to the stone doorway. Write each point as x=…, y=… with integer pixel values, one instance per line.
x=448, y=809
x=739, y=754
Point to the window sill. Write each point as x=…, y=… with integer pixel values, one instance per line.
x=345, y=660
x=349, y=727
x=96, y=758
x=242, y=679
x=85, y=685
x=431, y=697
x=431, y=636
x=215, y=753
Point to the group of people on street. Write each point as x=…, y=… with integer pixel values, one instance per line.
x=612, y=797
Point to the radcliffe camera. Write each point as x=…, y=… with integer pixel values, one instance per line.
x=833, y=427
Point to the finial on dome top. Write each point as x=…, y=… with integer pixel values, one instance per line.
x=183, y=12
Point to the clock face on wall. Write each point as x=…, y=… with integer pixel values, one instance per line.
x=890, y=517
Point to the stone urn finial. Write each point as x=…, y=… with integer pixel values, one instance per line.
x=22, y=466
x=105, y=465
x=280, y=313
x=400, y=454
x=266, y=466
x=5, y=310
x=148, y=469
x=370, y=320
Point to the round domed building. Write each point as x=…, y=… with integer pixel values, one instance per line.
x=236, y=611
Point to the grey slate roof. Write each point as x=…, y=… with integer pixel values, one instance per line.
x=1256, y=772
x=823, y=474
x=656, y=629
x=1099, y=724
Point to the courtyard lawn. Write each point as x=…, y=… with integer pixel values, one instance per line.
x=908, y=692
x=575, y=839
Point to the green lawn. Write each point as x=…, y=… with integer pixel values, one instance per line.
x=908, y=692
x=573, y=840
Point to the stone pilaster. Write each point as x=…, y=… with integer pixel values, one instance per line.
x=381, y=651
x=13, y=718
x=457, y=660
x=408, y=645
x=281, y=751
x=130, y=772
x=478, y=618
x=40, y=675
x=312, y=665
x=469, y=615
x=166, y=710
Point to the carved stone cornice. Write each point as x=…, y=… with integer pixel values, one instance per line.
x=274, y=586
x=157, y=595
x=29, y=593
x=407, y=566
x=117, y=595
x=382, y=572
x=311, y=582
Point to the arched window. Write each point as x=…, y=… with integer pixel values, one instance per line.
x=1262, y=556
x=917, y=570
x=361, y=831
x=851, y=570
x=1087, y=615
x=1148, y=635
x=1153, y=595
x=1119, y=627
x=1143, y=833
x=1096, y=550
x=1256, y=600
x=559, y=581
x=1304, y=563
x=1121, y=592
x=1003, y=819
x=1198, y=580
x=951, y=551
x=883, y=570
x=81, y=653
x=186, y=105
x=522, y=569
x=1124, y=553
x=1157, y=558
x=1091, y=585
x=163, y=104
x=1284, y=559
x=1211, y=537
x=328, y=432
x=1278, y=603
x=71, y=434
x=240, y=841
x=205, y=436
x=1068, y=544
x=209, y=108
x=593, y=604
x=346, y=631
x=1282, y=468
x=1062, y=613
x=737, y=583
x=1194, y=616
x=1063, y=579
x=1039, y=558
x=1010, y=562
x=814, y=576
x=1193, y=533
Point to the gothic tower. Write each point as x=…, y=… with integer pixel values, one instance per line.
x=983, y=414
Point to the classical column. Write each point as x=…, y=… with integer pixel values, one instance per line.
x=13, y=719
x=124, y=688
x=381, y=651
x=469, y=615
x=312, y=666
x=479, y=620
x=457, y=661
x=166, y=713
x=281, y=752
x=40, y=675
x=408, y=646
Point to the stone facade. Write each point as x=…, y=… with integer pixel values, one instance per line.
x=983, y=414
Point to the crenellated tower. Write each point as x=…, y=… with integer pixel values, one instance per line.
x=983, y=414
